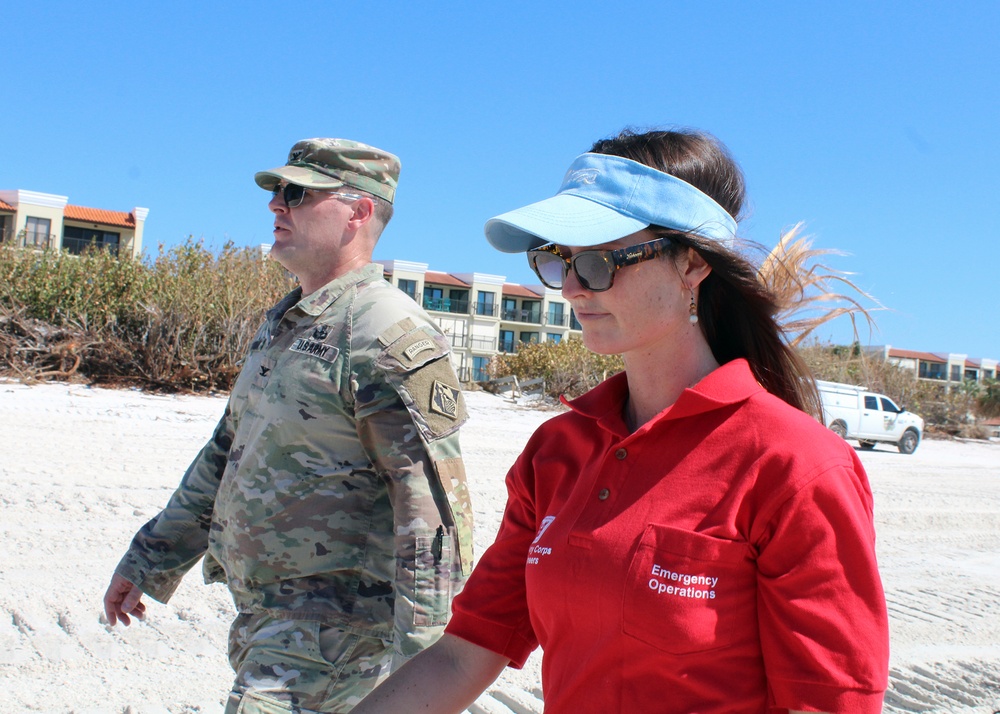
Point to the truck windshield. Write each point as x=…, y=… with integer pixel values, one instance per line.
x=888, y=406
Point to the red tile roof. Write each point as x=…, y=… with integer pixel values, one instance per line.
x=515, y=290
x=6, y=207
x=443, y=279
x=99, y=215
x=910, y=354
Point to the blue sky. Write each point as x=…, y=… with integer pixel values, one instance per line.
x=875, y=124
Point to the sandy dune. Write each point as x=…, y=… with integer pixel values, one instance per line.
x=81, y=469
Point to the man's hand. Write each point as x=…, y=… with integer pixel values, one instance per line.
x=123, y=599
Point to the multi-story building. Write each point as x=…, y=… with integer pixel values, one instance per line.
x=482, y=314
x=44, y=220
x=947, y=369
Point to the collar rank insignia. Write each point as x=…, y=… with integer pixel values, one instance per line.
x=444, y=400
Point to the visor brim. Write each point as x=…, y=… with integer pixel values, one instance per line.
x=564, y=219
x=298, y=175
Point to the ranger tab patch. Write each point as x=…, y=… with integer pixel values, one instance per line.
x=418, y=347
x=444, y=400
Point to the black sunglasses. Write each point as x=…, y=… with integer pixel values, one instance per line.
x=595, y=269
x=293, y=194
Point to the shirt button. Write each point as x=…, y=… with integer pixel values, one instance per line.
x=603, y=495
x=621, y=454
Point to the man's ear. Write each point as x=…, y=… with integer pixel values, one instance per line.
x=364, y=211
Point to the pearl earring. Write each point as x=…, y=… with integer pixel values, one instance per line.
x=693, y=311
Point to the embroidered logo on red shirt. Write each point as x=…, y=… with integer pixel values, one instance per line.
x=546, y=522
x=686, y=584
x=535, y=550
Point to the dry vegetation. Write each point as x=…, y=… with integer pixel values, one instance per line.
x=183, y=321
x=809, y=294
x=179, y=322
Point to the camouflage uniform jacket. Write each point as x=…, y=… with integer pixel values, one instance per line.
x=333, y=487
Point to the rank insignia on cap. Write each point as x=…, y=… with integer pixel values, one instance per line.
x=444, y=400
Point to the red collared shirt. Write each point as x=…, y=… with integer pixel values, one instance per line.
x=719, y=559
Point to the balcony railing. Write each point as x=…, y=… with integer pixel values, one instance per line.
x=487, y=309
x=559, y=320
x=77, y=246
x=488, y=344
x=531, y=316
x=459, y=307
x=31, y=239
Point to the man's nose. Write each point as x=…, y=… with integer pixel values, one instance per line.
x=277, y=203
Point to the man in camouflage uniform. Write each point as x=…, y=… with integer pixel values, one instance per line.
x=331, y=498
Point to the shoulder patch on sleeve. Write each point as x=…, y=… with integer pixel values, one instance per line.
x=445, y=399
x=411, y=350
x=418, y=366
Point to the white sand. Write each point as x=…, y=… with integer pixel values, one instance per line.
x=81, y=469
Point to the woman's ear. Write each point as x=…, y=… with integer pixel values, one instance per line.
x=693, y=268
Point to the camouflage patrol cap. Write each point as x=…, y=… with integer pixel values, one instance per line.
x=332, y=163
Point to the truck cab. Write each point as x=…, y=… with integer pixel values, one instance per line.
x=869, y=417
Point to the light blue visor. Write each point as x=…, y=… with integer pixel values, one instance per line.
x=604, y=198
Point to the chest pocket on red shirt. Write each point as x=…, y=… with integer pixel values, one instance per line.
x=689, y=592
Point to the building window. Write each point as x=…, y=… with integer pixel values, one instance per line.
x=556, y=315
x=479, y=369
x=932, y=370
x=507, y=341
x=36, y=231
x=484, y=303
x=5, y=228
x=956, y=373
x=508, y=309
x=529, y=338
x=409, y=287
x=459, y=301
x=553, y=337
x=531, y=311
x=77, y=239
x=434, y=299
x=574, y=324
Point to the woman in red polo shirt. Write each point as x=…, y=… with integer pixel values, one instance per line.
x=687, y=538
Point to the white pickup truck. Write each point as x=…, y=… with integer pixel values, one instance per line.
x=855, y=413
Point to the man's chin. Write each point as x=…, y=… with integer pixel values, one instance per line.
x=281, y=253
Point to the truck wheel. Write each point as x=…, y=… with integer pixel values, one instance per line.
x=866, y=445
x=908, y=444
x=839, y=428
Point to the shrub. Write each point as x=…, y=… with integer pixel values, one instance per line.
x=567, y=367
x=988, y=399
x=181, y=321
x=943, y=411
